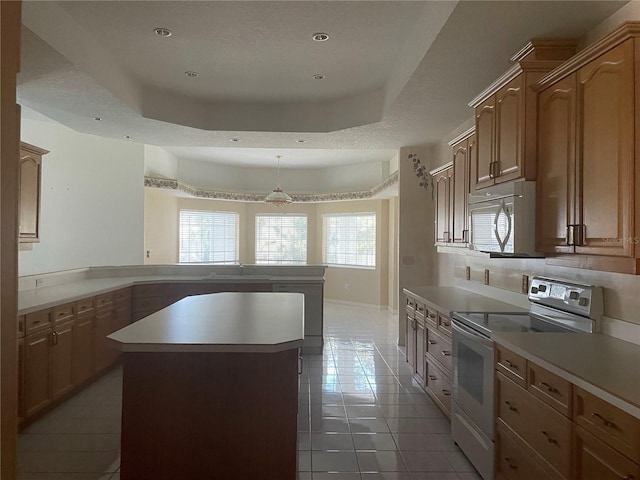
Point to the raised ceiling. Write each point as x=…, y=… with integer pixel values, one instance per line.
x=396, y=73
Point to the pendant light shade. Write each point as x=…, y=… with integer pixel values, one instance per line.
x=278, y=197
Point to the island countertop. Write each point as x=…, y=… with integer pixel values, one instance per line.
x=229, y=322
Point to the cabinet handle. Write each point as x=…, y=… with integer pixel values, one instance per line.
x=509, y=364
x=605, y=422
x=628, y=477
x=432, y=315
x=446, y=353
x=432, y=342
x=511, y=407
x=548, y=437
x=54, y=338
x=432, y=377
x=511, y=465
x=569, y=239
x=491, y=169
x=549, y=388
x=446, y=393
x=300, y=364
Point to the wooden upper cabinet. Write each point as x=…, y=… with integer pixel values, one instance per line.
x=555, y=200
x=509, y=127
x=462, y=152
x=442, y=187
x=485, y=128
x=606, y=154
x=506, y=116
x=29, y=206
x=587, y=204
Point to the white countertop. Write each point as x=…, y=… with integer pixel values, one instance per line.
x=605, y=366
x=44, y=297
x=245, y=322
x=455, y=299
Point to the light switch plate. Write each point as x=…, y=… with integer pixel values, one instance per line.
x=467, y=273
x=525, y=284
x=486, y=276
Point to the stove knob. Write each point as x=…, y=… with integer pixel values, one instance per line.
x=583, y=302
x=542, y=288
x=574, y=295
x=534, y=290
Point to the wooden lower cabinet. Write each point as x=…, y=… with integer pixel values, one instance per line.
x=62, y=359
x=595, y=460
x=438, y=384
x=514, y=460
x=536, y=438
x=83, y=348
x=37, y=374
x=105, y=352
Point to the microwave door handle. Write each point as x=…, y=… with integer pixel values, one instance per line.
x=471, y=334
x=502, y=242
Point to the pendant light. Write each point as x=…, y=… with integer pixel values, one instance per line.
x=278, y=197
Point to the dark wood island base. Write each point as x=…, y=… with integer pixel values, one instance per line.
x=213, y=416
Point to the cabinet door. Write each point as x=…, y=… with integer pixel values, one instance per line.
x=485, y=124
x=443, y=194
x=460, y=191
x=20, y=379
x=411, y=343
x=421, y=338
x=62, y=359
x=83, y=348
x=595, y=460
x=556, y=175
x=37, y=371
x=509, y=129
x=105, y=351
x=123, y=315
x=606, y=156
x=29, y=195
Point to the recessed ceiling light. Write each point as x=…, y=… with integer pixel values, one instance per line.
x=302, y=140
x=163, y=32
x=320, y=37
x=319, y=76
x=97, y=119
x=191, y=74
x=234, y=139
x=127, y=137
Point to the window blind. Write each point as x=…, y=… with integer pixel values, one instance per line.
x=350, y=239
x=208, y=237
x=281, y=239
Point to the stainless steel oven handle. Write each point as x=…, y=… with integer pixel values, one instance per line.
x=469, y=333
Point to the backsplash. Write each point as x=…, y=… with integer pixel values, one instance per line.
x=621, y=292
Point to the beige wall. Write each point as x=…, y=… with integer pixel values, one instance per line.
x=393, y=255
x=365, y=286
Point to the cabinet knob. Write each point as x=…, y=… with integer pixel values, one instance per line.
x=432, y=342
x=446, y=353
x=432, y=377
x=511, y=465
x=549, y=438
x=548, y=387
x=604, y=421
x=511, y=407
x=446, y=392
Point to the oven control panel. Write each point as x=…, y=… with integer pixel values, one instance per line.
x=585, y=300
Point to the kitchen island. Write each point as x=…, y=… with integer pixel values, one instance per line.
x=210, y=388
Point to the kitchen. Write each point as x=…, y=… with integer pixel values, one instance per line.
x=416, y=266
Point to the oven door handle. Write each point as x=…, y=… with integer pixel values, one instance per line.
x=469, y=333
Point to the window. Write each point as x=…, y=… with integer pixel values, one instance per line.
x=350, y=240
x=281, y=239
x=207, y=236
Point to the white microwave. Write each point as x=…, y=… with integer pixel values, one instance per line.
x=502, y=220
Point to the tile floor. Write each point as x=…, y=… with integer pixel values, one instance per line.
x=361, y=416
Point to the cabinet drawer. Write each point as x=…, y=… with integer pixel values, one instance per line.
x=62, y=313
x=550, y=388
x=105, y=300
x=544, y=429
x=514, y=461
x=512, y=365
x=431, y=318
x=84, y=307
x=444, y=324
x=608, y=423
x=37, y=321
x=122, y=296
x=439, y=347
x=595, y=460
x=21, y=326
x=411, y=306
x=440, y=385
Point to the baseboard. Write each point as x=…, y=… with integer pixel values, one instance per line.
x=356, y=304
